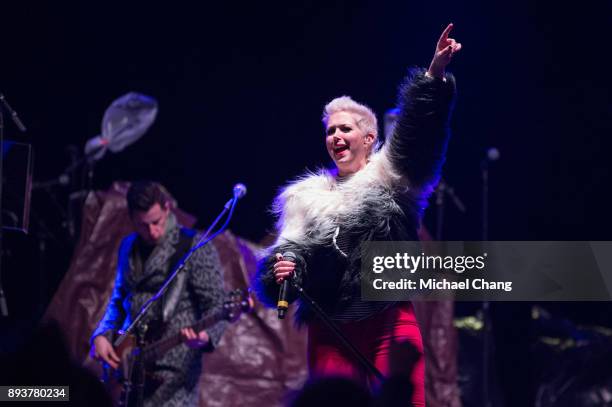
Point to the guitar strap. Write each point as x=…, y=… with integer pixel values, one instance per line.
x=171, y=297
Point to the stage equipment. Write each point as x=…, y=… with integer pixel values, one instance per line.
x=443, y=189
x=491, y=155
x=125, y=121
x=4, y=105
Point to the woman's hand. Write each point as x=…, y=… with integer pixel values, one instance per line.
x=282, y=269
x=445, y=49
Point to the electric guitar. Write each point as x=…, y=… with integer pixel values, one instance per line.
x=131, y=375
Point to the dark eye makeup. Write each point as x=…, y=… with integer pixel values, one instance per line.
x=343, y=128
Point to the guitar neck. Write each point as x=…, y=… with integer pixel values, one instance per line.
x=158, y=349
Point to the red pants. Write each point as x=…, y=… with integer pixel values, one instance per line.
x=373, y=337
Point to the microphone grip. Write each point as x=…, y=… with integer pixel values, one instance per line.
x=283, y=305
x=283, y=302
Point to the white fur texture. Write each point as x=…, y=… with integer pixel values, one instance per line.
x=316, y=200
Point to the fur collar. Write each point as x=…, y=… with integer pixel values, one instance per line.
x=315, y=201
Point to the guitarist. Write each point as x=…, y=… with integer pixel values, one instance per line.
x=145, y=260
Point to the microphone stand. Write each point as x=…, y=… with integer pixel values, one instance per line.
x=4, y=105
x=440, y=195
x=78, y=186
x=3, y=306
x=486, y=305
x=442, y=190
x=334, y=328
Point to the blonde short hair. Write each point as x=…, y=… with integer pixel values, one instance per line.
x=366, y=118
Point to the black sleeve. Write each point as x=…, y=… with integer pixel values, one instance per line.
x=417, y=146
x=265, y=284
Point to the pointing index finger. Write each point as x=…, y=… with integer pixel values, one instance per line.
x=445, y=33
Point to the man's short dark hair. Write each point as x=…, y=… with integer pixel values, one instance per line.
x=143, y=195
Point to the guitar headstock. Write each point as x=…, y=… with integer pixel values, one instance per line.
x=238, y=302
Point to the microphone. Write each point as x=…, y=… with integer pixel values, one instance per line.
x=493, y=154
x=283, y=304
x=240, y=191
x=62, y=180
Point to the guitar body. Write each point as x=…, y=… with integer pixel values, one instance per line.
x=132, y=381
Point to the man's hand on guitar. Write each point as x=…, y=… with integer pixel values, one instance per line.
x=102, y=350
x=194, y=340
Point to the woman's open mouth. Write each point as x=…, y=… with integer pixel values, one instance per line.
x=340, y=151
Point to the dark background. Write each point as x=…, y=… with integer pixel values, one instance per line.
x=241, y=87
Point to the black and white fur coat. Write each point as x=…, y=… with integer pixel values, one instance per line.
x=384, y=201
